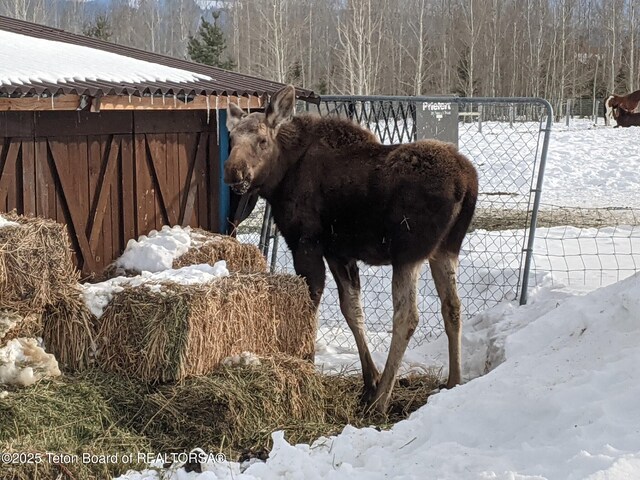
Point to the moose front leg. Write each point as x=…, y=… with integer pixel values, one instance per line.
x=347, y=278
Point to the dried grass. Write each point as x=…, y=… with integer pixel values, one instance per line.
x=70, y=416
x=240, y=257
x=166, y=332
x=234, y=410
x=36, y=264
x=69, y=331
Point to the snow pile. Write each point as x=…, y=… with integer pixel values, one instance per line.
x=49, y=61
x=153, y=255
x=23, y=362
x=7, y=223
x=158, y=250
x=245, y=358
x=559, y=402
x=8, y=320
x=98, y=295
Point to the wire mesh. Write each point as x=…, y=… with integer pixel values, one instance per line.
x=586, y=248
x=504, y=143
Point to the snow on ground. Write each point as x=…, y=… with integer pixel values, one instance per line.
x=587, y=166
x=592, y=166
x=49, y=61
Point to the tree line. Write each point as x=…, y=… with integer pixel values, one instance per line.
x=555, y=49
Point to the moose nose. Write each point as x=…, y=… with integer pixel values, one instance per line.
x=232, y=175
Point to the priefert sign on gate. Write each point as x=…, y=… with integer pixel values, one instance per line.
x=437, y=120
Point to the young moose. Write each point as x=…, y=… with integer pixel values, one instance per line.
x=337, y=193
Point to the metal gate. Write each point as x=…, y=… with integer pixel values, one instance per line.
x=507, y=140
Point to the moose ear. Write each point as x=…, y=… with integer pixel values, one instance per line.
x=234, y=115
x=281, y=106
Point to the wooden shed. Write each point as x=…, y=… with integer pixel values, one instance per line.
x=113, y=141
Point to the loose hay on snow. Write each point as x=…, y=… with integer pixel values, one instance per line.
x=164, y=332
x=36, y=264
x=240, y=257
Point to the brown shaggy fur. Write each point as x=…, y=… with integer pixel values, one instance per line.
x=629, y=103
x=337, y=193
x=626, y=119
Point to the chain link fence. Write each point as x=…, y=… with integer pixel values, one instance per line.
x=586, y=248
x=504, y=138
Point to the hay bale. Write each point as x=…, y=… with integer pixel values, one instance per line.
x=69, y=331
x=69, y=416
x=168, y=331
x=178, y=247
x=235, y=407
x=212, y=247
x=36, y=264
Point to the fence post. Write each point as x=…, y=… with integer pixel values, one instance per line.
x=512, y=115
x=596, y=108
x=536, y=206
x=480, y=118
x=224, y=200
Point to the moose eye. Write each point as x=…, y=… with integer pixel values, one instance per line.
x=263, y=143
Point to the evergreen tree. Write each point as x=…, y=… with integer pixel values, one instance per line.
x=209, y=45
x=99, y=28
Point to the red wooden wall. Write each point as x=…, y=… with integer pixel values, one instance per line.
x=110, y=176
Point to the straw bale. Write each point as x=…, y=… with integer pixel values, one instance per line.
x=69, y=331
x=240, y=257
x=235, y=406
x=208, y=248
x=36, y=264
x=164, y=332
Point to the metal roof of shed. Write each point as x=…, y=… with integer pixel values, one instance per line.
x=117, y=69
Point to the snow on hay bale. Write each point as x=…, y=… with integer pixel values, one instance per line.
x=167, y=331
x=36, y=269
x=175, y=247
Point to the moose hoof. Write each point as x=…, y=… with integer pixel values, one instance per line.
x=368, y=396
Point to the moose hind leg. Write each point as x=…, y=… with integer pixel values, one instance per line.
x=443, y=269
x=347, y=278
x=405, y=321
